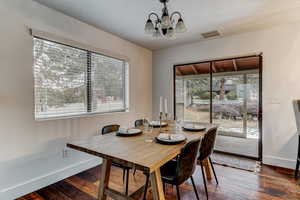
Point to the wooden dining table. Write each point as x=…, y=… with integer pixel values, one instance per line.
x=138, y=152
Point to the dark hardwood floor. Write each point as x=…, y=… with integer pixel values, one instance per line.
x=234, y=184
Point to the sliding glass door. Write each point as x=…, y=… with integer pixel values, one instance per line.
x=235, y=103
x=224, y=93
x=193, y=98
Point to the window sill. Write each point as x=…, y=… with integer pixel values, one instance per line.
x=83, y=115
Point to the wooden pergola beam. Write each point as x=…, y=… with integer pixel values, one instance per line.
x=194, y=69
x=213, y=67
x=178, y=71
x=234, y=65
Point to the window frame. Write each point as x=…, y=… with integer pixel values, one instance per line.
x=88, y=108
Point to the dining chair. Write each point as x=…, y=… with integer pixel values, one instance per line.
x=113, y=128
x=206, y=149
x=110, y=128
x=296, y=104
x=139, y=122
x=177, y=171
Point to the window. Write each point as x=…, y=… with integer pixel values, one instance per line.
x=71, y=81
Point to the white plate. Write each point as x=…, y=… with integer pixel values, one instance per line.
x=171, y=137
x=156, y=123
x=194, y=127
x=129, y=131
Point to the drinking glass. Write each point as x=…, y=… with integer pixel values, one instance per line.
x=147, y=130
x=178, y=124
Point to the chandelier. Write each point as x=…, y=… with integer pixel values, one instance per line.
x=164, y=26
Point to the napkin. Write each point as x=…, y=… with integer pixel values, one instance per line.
x=172, y=137
x=123, y=130
x=156, y=123
x=164, y=136
x=129, y=131
x=193, y=126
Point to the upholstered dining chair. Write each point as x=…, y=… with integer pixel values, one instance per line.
x=110, y=128
x=139, y=122
x=177, y=171
x=206, y=149
x=113, y=128
x=296, y=104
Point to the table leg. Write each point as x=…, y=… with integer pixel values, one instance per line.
x=104, y=178
x=157, y=185
x=208, y=169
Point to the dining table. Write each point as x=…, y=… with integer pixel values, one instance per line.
x=140, y=152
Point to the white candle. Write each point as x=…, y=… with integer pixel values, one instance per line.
x=160, y=104
x=166, y=106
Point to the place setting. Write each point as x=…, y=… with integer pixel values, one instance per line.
x=193, y=127
x=162, y=114
x=128, y=132
x=170, y=138
x=157, y=124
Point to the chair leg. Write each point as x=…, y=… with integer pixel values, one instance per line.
x=298, y=160
x=134, y=172
x=178, y=194
x=123, y=175
x=195, y=189
x=212, y=166
x=164, y=187
x=146, y=187
x=127, y=180
x=297, y=168
x=204, y=180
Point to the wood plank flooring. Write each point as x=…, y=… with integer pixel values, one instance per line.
x=234, y=184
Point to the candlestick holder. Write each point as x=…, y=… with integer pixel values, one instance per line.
x=160, y=119
x=166, y=119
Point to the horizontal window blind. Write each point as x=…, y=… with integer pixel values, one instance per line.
x=70, y=81
x=107, y=81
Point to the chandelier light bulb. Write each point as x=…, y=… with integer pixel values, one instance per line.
x=165, y=20
x=149, y=27
x=180, y=26
x=156, y=33
x=171, y=33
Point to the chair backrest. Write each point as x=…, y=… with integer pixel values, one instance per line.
x=208, y=143
x=186, y=161
x=296, y=104
x=110, y=128
x=138, y=122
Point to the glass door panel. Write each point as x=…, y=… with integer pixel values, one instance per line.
x=193, y=98
x=252, y=105
x=228, y=109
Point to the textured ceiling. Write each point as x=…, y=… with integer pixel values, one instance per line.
x=126, y=18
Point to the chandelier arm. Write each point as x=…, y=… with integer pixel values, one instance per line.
x=174, y=13
x=165, y=9
x=153, y=13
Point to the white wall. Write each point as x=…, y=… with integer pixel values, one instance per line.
x=281, y=74
x=25, y=143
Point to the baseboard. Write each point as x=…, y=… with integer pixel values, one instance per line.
x=279, y=162
x=37, y=183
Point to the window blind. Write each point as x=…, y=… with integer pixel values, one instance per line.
x=107, y=81
x=70, y=81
